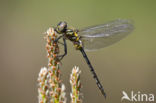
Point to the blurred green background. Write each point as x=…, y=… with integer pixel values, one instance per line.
x=127, y=65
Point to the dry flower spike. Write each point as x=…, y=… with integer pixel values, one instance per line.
x=75, y=85
x=51, y=90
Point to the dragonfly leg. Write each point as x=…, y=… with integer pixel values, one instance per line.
x=65, y=50
x=93, y=72
x=60, y=43
x=57, y=39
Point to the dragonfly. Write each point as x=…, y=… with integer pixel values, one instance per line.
x=93, y=38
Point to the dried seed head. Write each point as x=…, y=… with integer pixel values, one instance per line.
x=51, y=90
x=76, y=85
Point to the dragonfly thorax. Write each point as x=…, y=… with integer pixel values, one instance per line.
x=74, y=37
x=69, y=34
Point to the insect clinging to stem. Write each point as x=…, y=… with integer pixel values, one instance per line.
x=93, y=38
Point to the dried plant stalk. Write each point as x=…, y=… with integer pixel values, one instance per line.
x=75, y=85
x=51, y=90
x=42, y=79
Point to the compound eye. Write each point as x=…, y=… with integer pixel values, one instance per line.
x=61, y=27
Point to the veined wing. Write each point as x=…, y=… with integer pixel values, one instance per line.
x=100, y=36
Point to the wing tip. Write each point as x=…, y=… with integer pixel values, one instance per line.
x=129, y=23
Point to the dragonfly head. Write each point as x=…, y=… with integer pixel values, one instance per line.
x=61, y=27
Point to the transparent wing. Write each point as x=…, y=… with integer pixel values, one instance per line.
x=100, y=36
